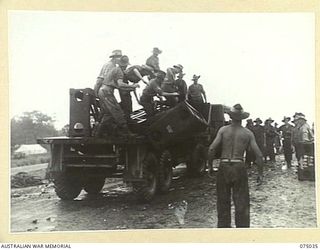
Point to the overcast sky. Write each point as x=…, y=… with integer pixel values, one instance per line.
x=266, y=61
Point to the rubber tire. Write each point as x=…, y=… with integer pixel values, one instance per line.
x=165, y=172
x=67, y=187
x=145, y=191
x=93, y=185
x=196, y=166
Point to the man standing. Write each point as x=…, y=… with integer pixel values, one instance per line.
x=195, y=93
x=258, y=131
x=303, y=135
x=113, y=120
x=286, y=131
x=133, y=74
x=153, y=61
x=270, y=133
x=232, y=173
x=106, y=68
x=153, y=89
x=181, y=87
x=249, y=154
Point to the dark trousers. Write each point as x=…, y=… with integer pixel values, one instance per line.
x=232, y=178
x=270, y=149
x=148, y=105
x=287, y=150
x=126, y=103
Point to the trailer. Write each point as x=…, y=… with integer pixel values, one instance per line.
x=175, y=135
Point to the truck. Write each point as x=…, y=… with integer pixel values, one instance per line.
x=82, y=161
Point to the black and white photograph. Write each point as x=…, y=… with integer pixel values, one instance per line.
x=161, y=120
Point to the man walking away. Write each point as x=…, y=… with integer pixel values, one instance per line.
x=286, y=131
x=232, y=173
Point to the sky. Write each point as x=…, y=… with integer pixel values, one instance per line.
x=264, y=61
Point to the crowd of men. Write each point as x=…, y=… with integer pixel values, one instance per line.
x=168, y=86
x=287, y=138
x=257, y=142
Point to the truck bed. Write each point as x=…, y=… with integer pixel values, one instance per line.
x=93, y=140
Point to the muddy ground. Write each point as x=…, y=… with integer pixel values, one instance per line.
x=282, y=201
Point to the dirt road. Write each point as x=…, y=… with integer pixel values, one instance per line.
x=280, y=202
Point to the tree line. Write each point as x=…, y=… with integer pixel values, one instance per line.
x=28, y=127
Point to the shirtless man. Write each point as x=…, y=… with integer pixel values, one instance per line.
x=232, y=174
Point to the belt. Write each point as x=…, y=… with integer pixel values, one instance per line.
x=231, y=160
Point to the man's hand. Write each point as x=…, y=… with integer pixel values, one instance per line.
x=136, y=85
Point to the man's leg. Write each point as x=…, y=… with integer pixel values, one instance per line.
x=287, y=152
x=241, y=197
x=223, y=200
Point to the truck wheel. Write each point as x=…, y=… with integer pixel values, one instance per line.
x=93, y=185
x=146, y=190
x=67, y=187
x=196, y=166
x=165, y=172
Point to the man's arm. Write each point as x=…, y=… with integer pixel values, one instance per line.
x=213, y=147
x=259, y=156
x=137, y=73
x=124, y=86
x=204, y=94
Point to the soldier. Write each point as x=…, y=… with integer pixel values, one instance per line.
x=168, y=84
x=153, y=61
x=249, y=154
x=302, y=134
x=258, y=131
x=196, y=94
x=232, y=174
x=286, y=131
x=133, y=74
x=181, y=87
x=270, y=134
x=113, y=119
x=151, y=90
x=107, y=67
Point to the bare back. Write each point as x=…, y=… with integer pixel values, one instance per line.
x=235, y=141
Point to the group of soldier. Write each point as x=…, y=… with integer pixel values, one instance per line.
x=287, y=138
x=119, y=74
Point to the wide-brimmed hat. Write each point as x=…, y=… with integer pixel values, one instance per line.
x=286, y=118
x=181, y=74
x=237, y=113
x=124, y=61
x=116, y=53
x=300, y=116
x=178, y=66
x=156, y=50
x=258, y=120
x=195, y=78
x=269, y=119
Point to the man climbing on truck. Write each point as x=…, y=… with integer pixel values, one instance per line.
x=154, y=89
x=113, y=121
